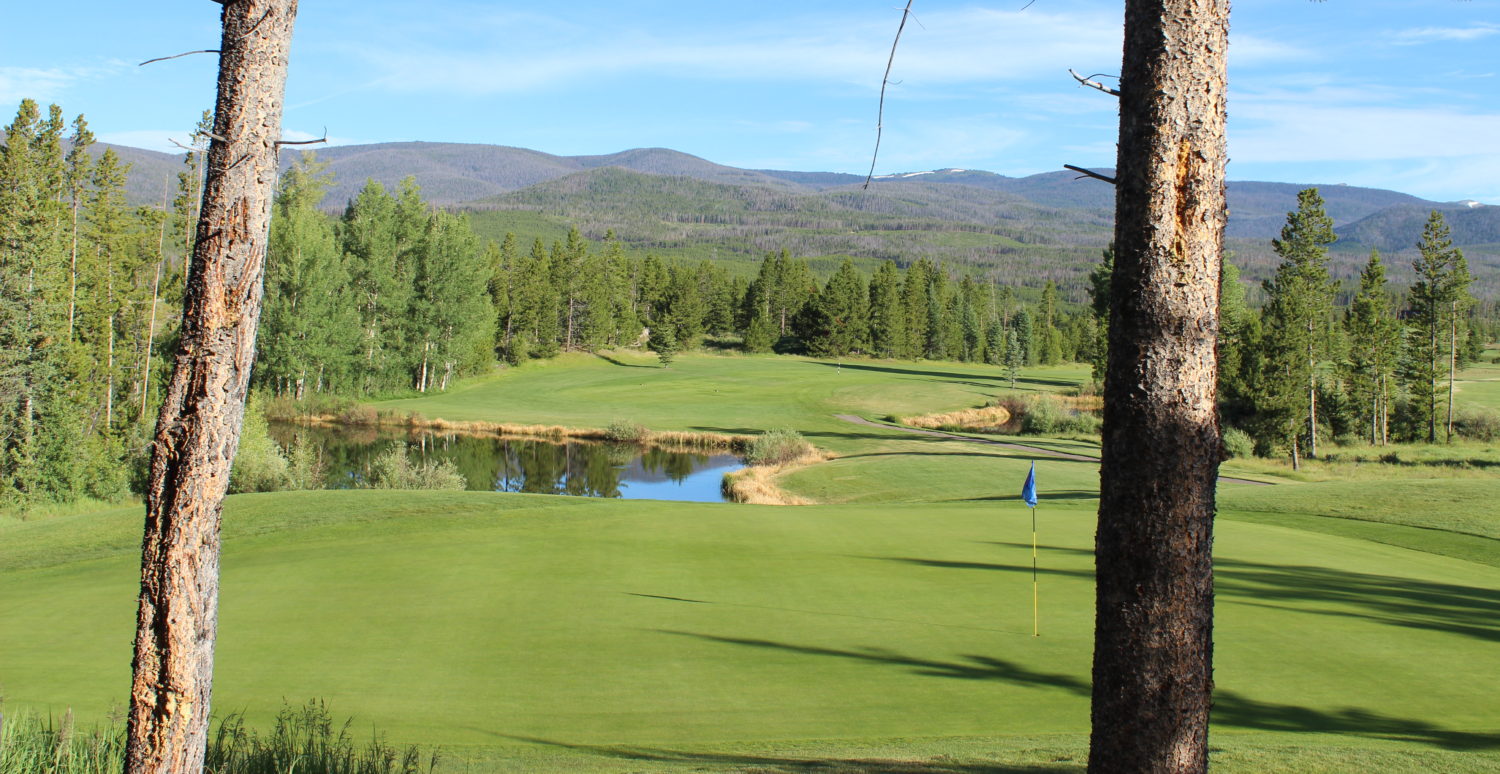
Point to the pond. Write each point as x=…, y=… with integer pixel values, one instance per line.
x=572, y=467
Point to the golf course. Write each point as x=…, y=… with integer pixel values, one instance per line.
x=887, y=627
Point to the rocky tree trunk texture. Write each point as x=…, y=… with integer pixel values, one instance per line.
x=199, y=425
x=1161, y=449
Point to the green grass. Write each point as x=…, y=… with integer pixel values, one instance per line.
x=475, y=619
x=731, y=394
x=886, y=632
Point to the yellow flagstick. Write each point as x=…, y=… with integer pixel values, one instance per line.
x=1035, y=619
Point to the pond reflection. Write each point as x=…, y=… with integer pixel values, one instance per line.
x=572, y=467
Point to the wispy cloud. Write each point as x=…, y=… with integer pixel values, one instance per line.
x=41, y=84
x=966, y=46
x=1353, y=124
x=1420, y=35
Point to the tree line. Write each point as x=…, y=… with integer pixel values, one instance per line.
x=395, y=295
x=1304, y=369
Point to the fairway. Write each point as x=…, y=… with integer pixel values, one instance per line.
x=1356, y=624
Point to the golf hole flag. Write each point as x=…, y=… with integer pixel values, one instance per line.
x=1028, y=489
x=1028, y=493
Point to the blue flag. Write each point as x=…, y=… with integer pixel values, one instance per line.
x=1028, y=490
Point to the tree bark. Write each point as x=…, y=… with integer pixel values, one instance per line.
x=1161, y=448
x=199, y=425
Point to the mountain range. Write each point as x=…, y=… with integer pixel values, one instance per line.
x=1021, y=230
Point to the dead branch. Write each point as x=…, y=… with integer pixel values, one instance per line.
x=880, y=115
x=178, y=56
x=1087, y=80
x=1086, y=173
x=322, y=139
x=188, y=148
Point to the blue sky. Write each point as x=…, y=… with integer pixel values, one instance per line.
x=1391, y=94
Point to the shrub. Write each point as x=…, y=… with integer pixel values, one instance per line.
x=1238, y=444
x=1046, y=415
x=359, y=414
x=394, y=469
x=778, y=447
x=304, y=464
x=622, y=430
x=259, y=465
x=1477, y=423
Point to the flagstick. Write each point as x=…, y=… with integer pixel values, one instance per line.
x=1035, y=619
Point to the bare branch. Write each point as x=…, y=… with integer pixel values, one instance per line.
x=322, y=139
x=1087, y=80
x=880, y=115
x=188, y=148
x=178, y=56
x=212, y=136
x=1086, y=173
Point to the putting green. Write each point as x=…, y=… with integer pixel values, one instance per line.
x=536, y=633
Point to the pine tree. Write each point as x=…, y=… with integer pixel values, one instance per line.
x=1099, y=280
x=1293, y=328
x=79, y=174
x=663, y=342
x=1438, y=296
x=1014, y=355
x=1374, y=339
x=1025, y=332
x=887, y=323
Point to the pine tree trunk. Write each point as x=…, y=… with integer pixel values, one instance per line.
x=1431, y=387
x=1312, y=400
x=109, y=377
x=1161, y=448
x=203, y=409
x=1452, y=363
x=73, y=269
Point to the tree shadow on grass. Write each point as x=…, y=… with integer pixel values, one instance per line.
x=775, y=764
x=1052, y=494
x=1468, y=611
x=1230, y=707
x=997, y=380
x=1395, y=601
x=621, y=363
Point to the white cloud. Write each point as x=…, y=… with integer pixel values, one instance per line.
x=1352, y=124
x=42, y=85
x=966, y=46
x=1420, y=35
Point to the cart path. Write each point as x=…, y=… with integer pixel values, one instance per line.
x=1006, y=445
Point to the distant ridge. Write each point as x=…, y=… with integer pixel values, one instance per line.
x=1032, y=228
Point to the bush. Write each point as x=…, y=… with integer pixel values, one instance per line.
x=1046, y=415
x=778, y=447
x=622, y=430
x=1477, y=423
x=393, y=469
x=1238, y=444
x=259, y=465
x=304, y=465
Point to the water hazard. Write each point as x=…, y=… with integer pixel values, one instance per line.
x=578, y=468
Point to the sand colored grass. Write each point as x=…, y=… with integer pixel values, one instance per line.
x=983, y=418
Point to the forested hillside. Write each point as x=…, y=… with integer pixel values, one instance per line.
x=1022, y=231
